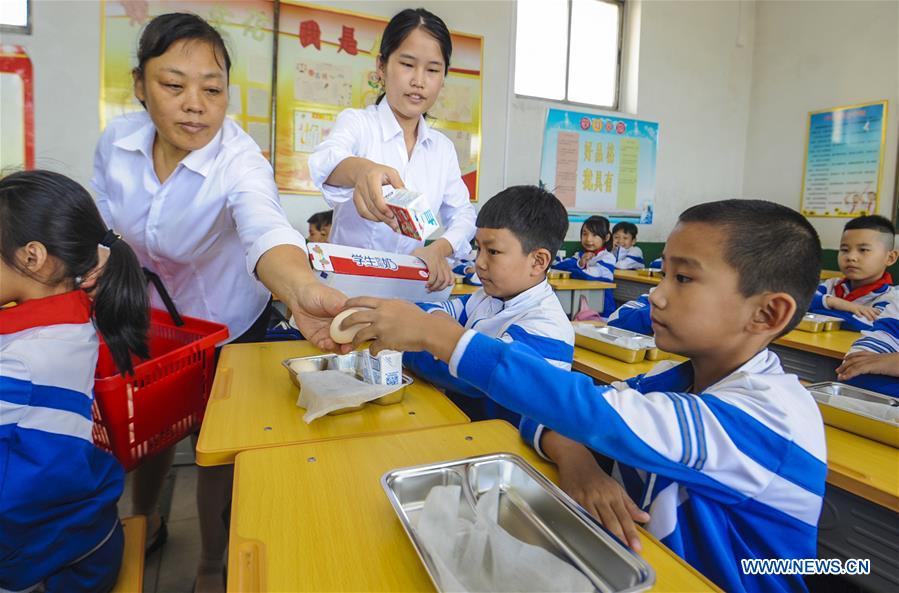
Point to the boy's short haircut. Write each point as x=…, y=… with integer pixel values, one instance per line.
x=626, y=227
x=752, y=228
x=535, y=216
x=877, y=223
x=321, y=219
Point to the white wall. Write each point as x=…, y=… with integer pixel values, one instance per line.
x=64, y=48
x=722, y=78
x=813, y=55
x=694, y=75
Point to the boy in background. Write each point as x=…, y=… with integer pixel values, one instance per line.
x=519, y=231
x=624, y=247
x=725, y=452
x=866, y=251
x=320, y=226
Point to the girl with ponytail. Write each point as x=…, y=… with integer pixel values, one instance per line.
x=59, y=525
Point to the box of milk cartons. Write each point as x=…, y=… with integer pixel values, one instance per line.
x=412, y=212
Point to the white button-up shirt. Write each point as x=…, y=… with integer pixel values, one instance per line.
x=433, y=169
x=204, y=229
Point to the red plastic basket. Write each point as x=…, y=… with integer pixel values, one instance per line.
x=139, y=415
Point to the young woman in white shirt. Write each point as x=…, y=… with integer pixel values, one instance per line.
x=390, y=143
x=192, y=194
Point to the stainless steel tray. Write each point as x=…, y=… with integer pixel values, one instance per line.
x=621, y=344
x=815, y=322
x=531, y=508
x=878, y=421
x=824, y=392
x=349, y=363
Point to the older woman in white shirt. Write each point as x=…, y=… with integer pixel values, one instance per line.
x=390, y=143
x=194, y=197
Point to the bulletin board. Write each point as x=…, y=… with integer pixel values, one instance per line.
x=844, y=160
x=16, y=109
x=247, y=27
x=601, y=164
x=326, y=63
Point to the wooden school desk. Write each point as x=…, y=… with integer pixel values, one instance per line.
x=253, y=405
x=314, y=517
x=860, y=517
x=569, y=292
x=630, y=285
x=814, y=357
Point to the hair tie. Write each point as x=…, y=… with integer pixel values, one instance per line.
x=109, y=238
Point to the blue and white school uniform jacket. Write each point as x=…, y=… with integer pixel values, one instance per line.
x=628, y=258
x=883, y=338
x=601, y=267
x=534, y=319
x=878, y=298
x=656, y=263
x=58, y=491
x=734, y=472
x=634, y=316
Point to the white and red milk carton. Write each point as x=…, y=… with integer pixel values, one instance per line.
x=412, y=212
x=365, y=272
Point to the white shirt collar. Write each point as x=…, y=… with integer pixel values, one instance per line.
x=528, y=297
x=390, y=127
x=200, y=161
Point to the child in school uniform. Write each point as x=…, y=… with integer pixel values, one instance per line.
x=873, y=361
x=519, y=230
x=594, y=261
x=465, y=267
x=866, y=251
x=391, y=143
x=320, y=226
x=724, y=452
x=634, y=315
x=624, y=247
x=59, y=525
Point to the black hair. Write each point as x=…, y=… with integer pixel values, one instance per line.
x=874, y=222
x=535, y=216
x=628, y=228
x=752, y=226
x=167, y=29
x=599, y=226
x=321, y=219
x=54, y=210
x=406, y=21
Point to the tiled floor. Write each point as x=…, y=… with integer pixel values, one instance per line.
x=171, y=569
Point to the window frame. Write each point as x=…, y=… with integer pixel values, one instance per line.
x=621, y=4
x=20, y=29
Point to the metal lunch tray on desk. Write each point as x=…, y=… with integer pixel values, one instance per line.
x=621, y=344
x=829, y=396
x=531, y=508
x=814, y=322
x=348, y=363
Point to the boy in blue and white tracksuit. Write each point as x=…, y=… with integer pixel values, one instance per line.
x=873, y=361
x=628, y=258
x=725, y=451
x=867, y=249
x=58, y=519
x=634, y=316
x=518, y=230
x=624, y=247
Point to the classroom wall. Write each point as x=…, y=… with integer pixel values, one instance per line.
x=694, y=76
x=812, y=55
x=722, y=78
